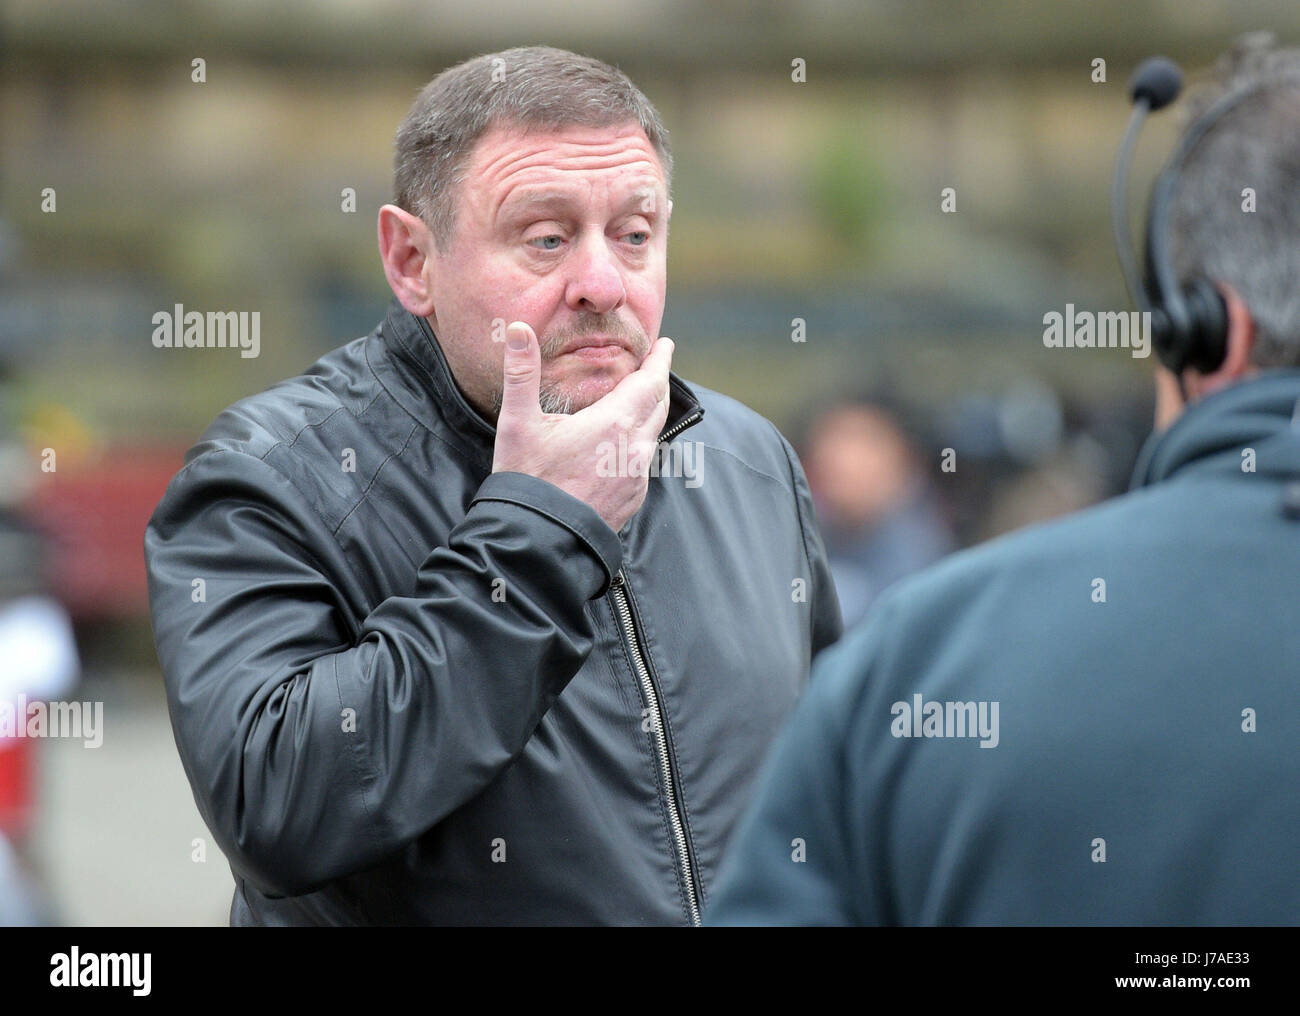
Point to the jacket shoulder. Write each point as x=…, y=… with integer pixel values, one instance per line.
x=327, y=431
x=1025, y=588
x=1009, y=568
x=340, y=383
x=1006, y=571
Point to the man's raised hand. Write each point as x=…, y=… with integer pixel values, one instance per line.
x=566, y=449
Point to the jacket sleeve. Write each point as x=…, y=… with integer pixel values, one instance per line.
x=317, y=747
x=827, y=619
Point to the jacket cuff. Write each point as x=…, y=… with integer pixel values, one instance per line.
x=575, y=515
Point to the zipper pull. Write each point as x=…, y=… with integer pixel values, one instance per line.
x=618, y=579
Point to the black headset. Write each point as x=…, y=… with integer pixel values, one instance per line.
x=1189, y=320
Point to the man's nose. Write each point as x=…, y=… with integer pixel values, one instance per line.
x=597, y=281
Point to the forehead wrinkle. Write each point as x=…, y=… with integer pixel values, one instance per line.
x=570, y=194
x=565, y=196
x=603, y=157
x=522, y=145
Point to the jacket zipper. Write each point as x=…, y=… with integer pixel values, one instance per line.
x=671, y=783
x=681, y=425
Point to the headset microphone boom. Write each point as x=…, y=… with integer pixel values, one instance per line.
x=1189, y=321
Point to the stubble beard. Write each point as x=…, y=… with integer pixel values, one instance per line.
x=552, y=399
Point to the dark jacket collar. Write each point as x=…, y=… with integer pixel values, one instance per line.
x=1260, y=413
x=432, y=394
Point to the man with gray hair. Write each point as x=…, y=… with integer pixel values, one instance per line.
x=454, y=630
x=1093, y=721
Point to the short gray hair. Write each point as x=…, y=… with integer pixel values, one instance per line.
x=1257, y=145
x=530, y=87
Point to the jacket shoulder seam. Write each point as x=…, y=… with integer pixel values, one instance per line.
x=320, y=423
x=365, y=494
x=753, y=469
x=459, y=452
x=333, y=530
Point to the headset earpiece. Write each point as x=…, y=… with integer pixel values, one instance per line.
x=1189, y=322
x=1192, y=329
x=1208, y=313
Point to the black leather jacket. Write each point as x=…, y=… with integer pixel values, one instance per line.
x=408, y=690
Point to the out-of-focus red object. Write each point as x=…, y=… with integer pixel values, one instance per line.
x=95, y=512
x=16, y=786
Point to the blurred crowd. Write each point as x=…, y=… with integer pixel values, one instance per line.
x=896, y=490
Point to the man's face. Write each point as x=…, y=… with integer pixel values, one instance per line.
x=566, y=231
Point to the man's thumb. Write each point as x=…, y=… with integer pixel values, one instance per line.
x=522, y=371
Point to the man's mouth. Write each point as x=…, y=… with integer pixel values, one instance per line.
x=595, y=348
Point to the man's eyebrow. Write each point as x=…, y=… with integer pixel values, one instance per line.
x=561, y=200
x=540, y=200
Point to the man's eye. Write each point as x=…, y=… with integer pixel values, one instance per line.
x=545, y=239
x=645, y=237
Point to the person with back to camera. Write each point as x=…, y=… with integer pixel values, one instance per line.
x=1095, y=720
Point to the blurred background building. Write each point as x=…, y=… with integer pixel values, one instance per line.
x=811, y=260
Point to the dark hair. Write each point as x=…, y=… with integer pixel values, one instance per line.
x=533, y=87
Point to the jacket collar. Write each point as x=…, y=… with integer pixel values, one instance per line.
x=1262, y=414
x=431, y=394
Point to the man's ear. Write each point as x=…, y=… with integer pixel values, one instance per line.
x=406, y=248
x=1241, y=342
